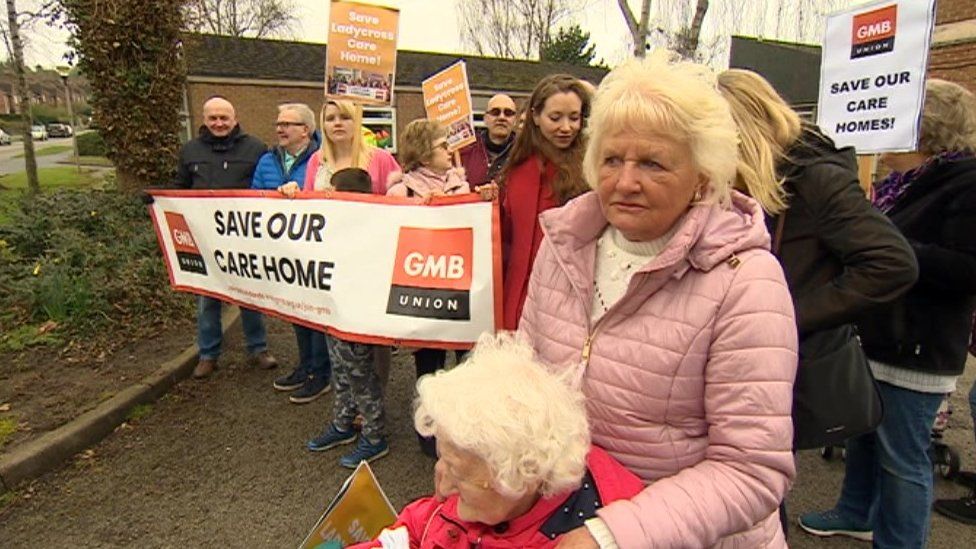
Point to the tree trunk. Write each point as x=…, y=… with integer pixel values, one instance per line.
x=33, y=184
x=694, y=30
x=128, y=181
x=640, y=45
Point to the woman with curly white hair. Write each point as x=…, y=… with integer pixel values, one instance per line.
x=515, y=465
x=659, y=293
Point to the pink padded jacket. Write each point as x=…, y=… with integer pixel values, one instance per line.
x=688, y=377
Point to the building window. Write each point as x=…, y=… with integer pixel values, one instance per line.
x=381, y=125
x=479, y=119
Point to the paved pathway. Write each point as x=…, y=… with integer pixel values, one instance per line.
x=222, y=462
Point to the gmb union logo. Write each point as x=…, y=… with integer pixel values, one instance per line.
x=187, y=254
x=432, y=274
x=873, y=32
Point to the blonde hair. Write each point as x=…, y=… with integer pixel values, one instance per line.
x=768, y=127
x=661, y=95
x=416, y=142
x=948, y=119
x=361, y=150
x=505, y=407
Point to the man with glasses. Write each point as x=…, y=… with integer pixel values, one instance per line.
x=222, y=157
x=283, y=169
x=483, y=159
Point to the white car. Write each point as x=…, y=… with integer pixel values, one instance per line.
x=39, y=133
x=4, y=138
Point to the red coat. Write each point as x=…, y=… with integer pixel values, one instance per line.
x=527, y=193
x=434, y=524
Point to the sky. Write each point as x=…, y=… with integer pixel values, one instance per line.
x=432, y=25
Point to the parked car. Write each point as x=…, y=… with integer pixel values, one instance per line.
x=4, y=138
x=57, y=129
x=39, y=133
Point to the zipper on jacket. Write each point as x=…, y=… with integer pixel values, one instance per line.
x=588, y=343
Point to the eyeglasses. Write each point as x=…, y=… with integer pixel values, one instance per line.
x=441, y=145
x=497, y=112
x=287, y=124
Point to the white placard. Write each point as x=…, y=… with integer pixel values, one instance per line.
x=872, y=74
x=362, y=267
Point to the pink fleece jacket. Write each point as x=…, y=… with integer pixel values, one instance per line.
x=381, y=166
x=688, y=377
x=422, y=182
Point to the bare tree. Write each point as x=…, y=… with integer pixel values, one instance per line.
x=23, y=96
x=700, y=30
x=679, y=34
x=638, y=28
x=252, y=18
x=514, y=29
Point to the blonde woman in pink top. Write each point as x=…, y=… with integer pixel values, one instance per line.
x=343, y=147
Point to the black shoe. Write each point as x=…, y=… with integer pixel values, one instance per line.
x=290, y=382
x=967, y=479
x=962, y=509
x=314, y=387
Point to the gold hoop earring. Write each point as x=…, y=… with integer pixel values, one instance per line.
x=699, y=195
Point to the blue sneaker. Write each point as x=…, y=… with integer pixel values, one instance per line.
x=831, y=523
x=365, y=451
x=313, y=388
x=331, y=438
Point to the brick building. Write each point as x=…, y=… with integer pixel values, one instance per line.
x=257, y=75
x=953, y=53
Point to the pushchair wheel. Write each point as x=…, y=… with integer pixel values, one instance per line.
x=946, y=461
x=827, y=452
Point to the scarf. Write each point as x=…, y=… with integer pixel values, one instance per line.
x=892, y=188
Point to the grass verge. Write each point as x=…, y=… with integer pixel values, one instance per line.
x=59, y=177
x=48, y=151
x=7, y=427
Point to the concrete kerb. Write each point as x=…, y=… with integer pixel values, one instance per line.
x=48, y=452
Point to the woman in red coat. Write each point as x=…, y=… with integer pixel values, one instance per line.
x=543, y=172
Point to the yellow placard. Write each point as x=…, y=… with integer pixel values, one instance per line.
x=447, y=99
x=359, y=512
x=360, y=64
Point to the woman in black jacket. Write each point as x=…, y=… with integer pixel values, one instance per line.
x=916, y=344
x=840, y=255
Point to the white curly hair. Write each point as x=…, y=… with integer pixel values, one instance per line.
x=505, y=407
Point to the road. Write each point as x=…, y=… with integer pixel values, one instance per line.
x=10, y=164
x=222, y=463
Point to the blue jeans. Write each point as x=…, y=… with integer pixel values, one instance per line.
x=888, y=473
x=209, y=330
x=313, y=352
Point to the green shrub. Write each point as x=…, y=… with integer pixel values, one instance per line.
x=91, y=144
x=87, y=260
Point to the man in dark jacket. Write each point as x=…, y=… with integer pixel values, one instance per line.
x=483, y=159
x=222, y=157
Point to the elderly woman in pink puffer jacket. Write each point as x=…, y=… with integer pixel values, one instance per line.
x=660, y=291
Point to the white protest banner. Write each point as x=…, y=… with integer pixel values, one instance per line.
x=872, y=74
x=447, y=99
x=362, y=267
x=360, y=60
